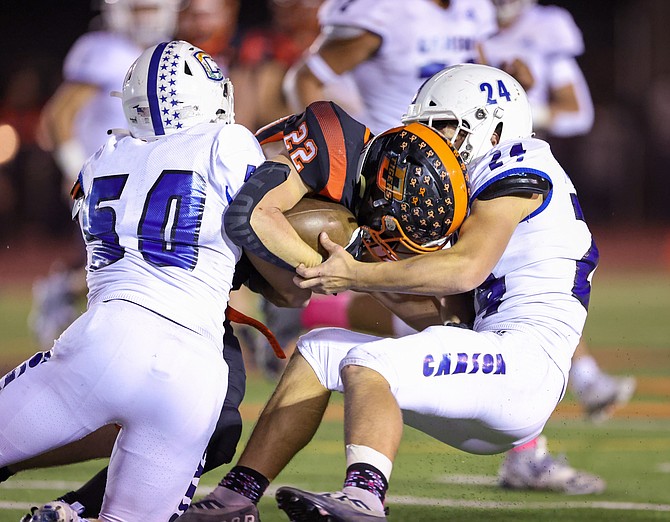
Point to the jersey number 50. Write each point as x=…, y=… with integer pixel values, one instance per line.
x=168, y=228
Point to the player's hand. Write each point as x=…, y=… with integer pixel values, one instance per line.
x=334, y=275
x=521, y=72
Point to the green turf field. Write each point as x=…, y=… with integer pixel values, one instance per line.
x=629, y=333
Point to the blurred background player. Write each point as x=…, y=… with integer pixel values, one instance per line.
x=212, y=26
x=548, y=42
x=367, y=39
x=76, y=119
x=266, y=53
x=540, y=45
x=75, y=123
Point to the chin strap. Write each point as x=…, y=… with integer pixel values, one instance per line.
x=235, y=316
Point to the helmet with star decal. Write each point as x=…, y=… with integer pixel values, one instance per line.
x=173, y=86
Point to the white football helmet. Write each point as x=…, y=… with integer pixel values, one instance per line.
x=509, y=10
x=146, y=22
x=173, y=86
x=479, y=98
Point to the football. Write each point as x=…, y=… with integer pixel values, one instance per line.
x=311, y=216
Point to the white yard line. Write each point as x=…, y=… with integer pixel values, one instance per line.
x=392, y=499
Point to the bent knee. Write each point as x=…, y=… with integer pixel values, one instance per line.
x=353, y=373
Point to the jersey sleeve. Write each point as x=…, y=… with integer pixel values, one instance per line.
x=375, y=16
x=324, y=144
x=239, y=165
x=560, y=32
x=484, y=13
x=511, y=168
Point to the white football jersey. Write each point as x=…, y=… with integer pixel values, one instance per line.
x=101, y=59
x=547, y=39
x=542, y=282
x=419, y=38
x=152, y=221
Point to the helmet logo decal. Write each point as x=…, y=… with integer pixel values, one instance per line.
x=210, y=67
x=391, y=177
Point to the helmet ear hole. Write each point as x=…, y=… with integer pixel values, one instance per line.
x=498, y=131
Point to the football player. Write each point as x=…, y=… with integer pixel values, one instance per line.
x=147, y=353
x=390, y=48
x=548, y=42
x=527, y=253
x=327, y=153
x=211, y=25
x=373, y=55
x=75, y=123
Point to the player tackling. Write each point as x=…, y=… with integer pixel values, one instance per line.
x=147, y=353
x=527, y=253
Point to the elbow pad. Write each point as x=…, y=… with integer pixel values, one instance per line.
x=237, y=219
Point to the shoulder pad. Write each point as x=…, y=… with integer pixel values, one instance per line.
x=516, y=185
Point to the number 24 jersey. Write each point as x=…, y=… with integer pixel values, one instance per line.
x=542, y=282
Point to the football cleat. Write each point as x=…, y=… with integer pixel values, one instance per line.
x=536, y=469
x=606, y=395
x=53, y=512
x=211, y=510
x=303, y=506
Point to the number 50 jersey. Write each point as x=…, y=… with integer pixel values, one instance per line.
x=152, y=215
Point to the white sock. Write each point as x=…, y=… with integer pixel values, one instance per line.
x=583, y=374
x=366, y=454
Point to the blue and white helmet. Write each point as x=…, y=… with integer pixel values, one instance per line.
x=480, y=99
x=173, y=86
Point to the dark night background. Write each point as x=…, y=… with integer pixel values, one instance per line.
x=619, y=168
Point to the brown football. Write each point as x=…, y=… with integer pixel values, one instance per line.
x=311, y=216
